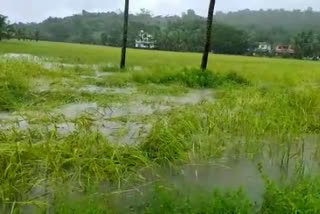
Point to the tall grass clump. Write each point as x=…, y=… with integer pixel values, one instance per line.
x=193, y=78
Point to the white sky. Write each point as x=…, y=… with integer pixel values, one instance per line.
x=38, y=10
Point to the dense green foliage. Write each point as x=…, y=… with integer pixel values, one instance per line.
x=307, y=44
x=6, y=30
x=229, y=40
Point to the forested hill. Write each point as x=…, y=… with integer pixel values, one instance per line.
x=290, y=21
x=273, y=25
x=178, y=32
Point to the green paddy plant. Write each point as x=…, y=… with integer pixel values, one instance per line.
x=33, y=170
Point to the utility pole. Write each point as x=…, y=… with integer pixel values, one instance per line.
x=125, y=35
x=207, y=46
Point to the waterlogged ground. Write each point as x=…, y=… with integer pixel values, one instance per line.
x=126, y=119
x=82, y=137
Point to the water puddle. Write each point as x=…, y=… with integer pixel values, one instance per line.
x=105, y=90
x=117, y=132
x=72, y=111
x=42, y=85
x=225, y=175
x=9, y=122
x=137, y=68
x=123, y=133
x=57, y=65
x=100, y=74
x=63, y=129
x=132, y=109
x=5, y=116
x=192, y=98
x=88, y=77
x=19, y=56
x=120, y=132
x=136, y=108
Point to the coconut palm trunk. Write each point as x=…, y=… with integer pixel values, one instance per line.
x=125, y=35
x=207, y=46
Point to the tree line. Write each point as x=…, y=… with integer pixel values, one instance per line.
x=6, y=29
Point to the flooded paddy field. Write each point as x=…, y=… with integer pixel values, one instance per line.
x=84, y=137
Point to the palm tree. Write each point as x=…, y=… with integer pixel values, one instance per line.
x=125, y=35
x=207, y=46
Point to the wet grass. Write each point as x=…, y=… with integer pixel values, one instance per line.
x=264, y=111
x=241, y=121
x=301, y=196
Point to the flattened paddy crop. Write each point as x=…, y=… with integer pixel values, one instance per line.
x=77, y=135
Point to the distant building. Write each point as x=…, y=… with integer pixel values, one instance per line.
x=284, y=50
x=263, y=48
x=145, y=41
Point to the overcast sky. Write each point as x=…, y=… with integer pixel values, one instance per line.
x=38, y=10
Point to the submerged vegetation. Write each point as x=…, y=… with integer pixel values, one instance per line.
x=77, y=135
